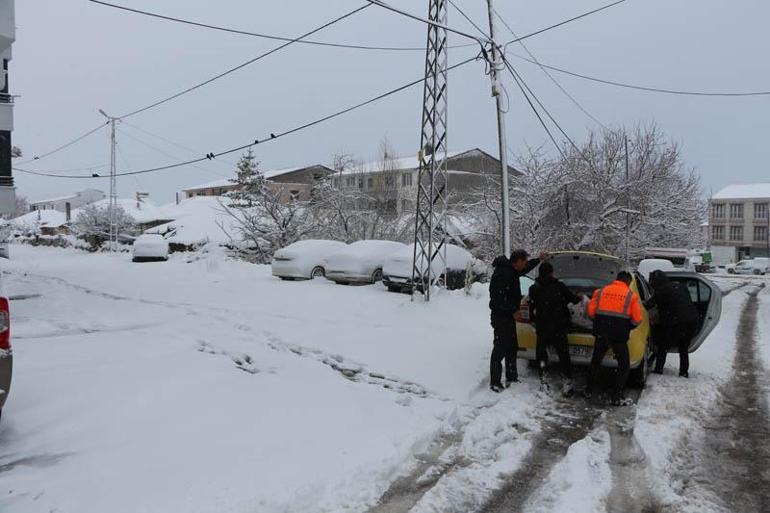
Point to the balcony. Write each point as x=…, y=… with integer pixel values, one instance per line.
x=7, y=25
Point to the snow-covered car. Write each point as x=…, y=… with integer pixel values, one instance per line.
x=360, y=262
x=150, y=247
x=397, y=270
x=6, y=354
x=755, y=266
x=305, y=259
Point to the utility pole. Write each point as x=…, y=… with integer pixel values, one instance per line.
x=628, y=201
x=495, y=67
x=429, y=259
x=113, y=185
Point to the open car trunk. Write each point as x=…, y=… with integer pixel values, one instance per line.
x=584, y=273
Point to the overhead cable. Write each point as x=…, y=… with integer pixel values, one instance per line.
x=244, y=64
x=64, y=146
x=272, y=136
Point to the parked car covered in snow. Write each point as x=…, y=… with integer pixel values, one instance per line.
x=585, y=272
x=150, y=247
x=304, y=260
x=360, y=262
x=6, y=354
x=397, y=270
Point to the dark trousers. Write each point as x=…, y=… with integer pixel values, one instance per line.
x=556, y=338
x=601, y=346
x=505, y=346
x=679, y=336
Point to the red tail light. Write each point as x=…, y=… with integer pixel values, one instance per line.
x=523, y=314
x=5, y=325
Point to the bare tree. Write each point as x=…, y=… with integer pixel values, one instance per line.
x=92, y=224
x=263, y=215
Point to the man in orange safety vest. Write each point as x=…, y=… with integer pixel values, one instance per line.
x=615, y=310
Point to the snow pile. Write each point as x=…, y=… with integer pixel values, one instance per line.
x=39, y=218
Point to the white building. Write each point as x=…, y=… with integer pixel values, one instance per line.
x=7, y=37
x=740, y=221
x=72, y=201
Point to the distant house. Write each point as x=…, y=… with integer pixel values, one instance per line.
x=71, y=202
x=291, y=184
x=393, y=182
x=740, y=221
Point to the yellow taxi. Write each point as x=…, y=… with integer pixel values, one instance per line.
x=585, y=272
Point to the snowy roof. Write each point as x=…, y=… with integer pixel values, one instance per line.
x=57, y=198
x=196, y=220
x=270, y=173
x=399, y=163
x=222, y=182
x=145, y=213
x=744, y=191
x=50, y=218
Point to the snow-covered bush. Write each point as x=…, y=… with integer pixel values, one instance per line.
x=92, y=225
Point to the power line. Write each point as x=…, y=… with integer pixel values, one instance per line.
x=468, y=19
x=247, y=63
x=64, y=146
x=272, y=136
x=267, y=36
x=548, y=74
x=570, y=20
x=644, y=88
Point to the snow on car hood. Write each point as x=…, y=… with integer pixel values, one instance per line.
x=363, y=254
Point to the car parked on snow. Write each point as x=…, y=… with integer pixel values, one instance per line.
x=360, y=262
x=397, y=270
x=585, y=272
x=150, y=247
x=6, y=353
x=304, y=260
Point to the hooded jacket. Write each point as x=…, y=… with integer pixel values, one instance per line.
x=548, y=299
x=672, y=300
x=504, y=287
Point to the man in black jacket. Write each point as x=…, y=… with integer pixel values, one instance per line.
x=677, y=320
x=504, y=301
x=548, y=300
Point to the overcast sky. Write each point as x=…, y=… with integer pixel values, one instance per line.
x=73, y=57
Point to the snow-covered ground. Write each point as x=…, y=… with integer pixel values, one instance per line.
x=205, y=385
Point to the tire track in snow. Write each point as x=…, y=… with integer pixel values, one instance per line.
x=733, y=463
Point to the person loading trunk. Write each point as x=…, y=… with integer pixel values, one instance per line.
x=615, y=310
x=677, y=320
x=548, y=300
x=504, y=301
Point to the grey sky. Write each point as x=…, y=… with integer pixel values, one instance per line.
x=73, y=57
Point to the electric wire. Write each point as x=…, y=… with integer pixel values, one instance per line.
x=468, y=19
x=548, y=74
x=244, y=64
x=615, y=83
x=271, y=137
x=64, y=146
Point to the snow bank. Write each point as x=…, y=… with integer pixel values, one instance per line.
x=197, y=221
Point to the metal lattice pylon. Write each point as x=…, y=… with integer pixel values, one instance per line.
x=430, y=229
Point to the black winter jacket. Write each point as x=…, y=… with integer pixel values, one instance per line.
x=672, y=300
x=504, y=287
x=548, y=299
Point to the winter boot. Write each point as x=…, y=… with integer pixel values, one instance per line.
x=496, y=388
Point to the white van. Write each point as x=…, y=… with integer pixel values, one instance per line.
x=755, y=266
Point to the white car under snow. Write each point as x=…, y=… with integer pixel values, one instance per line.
x=361, y=262
x=397, y=271
x=304, y=260
x=149, y=247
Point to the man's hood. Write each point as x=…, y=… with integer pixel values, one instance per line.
x=500, y=261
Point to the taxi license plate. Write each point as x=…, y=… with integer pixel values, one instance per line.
x=581, y=351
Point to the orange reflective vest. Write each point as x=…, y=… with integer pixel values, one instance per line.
x=616, y=300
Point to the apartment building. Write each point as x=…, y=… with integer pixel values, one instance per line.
x=7, y=37
x=392, y=182
x=739, y=221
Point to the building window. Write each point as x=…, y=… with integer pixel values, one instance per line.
x=360, y=183
x=718, y=210
x=406, y=180
x=405, y=205
x=718, y=232
x=389, y=181
x=350, y=181
x=736, y=210
x=736, y=233
x=760, y=210
x=336, y=183
x=370, y=183
x=760, y=233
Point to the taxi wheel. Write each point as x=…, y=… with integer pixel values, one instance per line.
x=638, y=377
